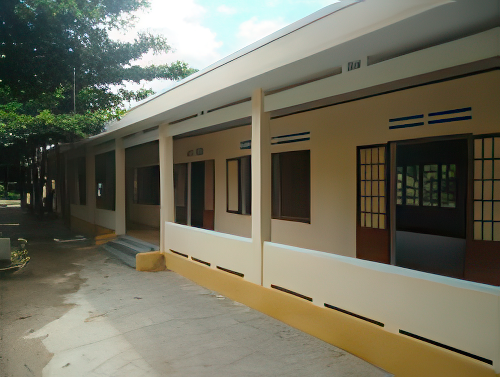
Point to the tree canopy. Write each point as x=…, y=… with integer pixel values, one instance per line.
x=46, y=46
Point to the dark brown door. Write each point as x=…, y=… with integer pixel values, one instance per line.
x=372, y=231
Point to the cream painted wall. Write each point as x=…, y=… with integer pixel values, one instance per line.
x=219, y=146
x=336, y=131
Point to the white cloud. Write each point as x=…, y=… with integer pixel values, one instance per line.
x=224, y=9
x=180, y=23
x=252, y=30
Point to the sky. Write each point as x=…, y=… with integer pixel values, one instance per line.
x=202, y=32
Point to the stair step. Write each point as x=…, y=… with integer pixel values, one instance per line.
x=126, y=258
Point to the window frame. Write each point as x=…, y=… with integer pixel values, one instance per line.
x=239, y=211
x=277, y=191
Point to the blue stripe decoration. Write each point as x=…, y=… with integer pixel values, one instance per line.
x=462, y=110
x=464, y=113
x=291, y=138
x=446, y=120
x=402, y=122
x=420, y=116
x=407, y=125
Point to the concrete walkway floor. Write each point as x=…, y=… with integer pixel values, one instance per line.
x=77, y=311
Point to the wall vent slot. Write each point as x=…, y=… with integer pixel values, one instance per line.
x=230, y=104
x=354, y=315
x=200, y=261
x=291, y=292
x=183, y=119
x=487, y=361
x=231, y=271
x=176, y=252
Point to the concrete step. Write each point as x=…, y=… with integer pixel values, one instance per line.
x=126, y=248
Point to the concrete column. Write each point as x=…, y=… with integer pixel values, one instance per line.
x=261, y=181
x=167, y=204
x=91, y=194
x=120, y=220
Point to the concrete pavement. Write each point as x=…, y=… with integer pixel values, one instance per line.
x=114, y=321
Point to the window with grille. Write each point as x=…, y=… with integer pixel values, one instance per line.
x=372, y=187
x=487, y=188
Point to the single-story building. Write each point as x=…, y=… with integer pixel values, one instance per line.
x=341, y=174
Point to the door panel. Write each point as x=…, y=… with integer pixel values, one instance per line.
x=372, y=230
x=197, y=193
x=431, y=198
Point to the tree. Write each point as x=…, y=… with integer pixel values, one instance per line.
x=48, y=49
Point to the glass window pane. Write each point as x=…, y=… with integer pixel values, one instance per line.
x=368, y=156
x=374, y=155
x=488, y=169
x=487, y=232
x=369, y=220
x=363, y=220
x=381, y=221
x=363, y=188
x=375, y=204
x=368, y=205
x=363, y=175
x=381, y=190
x=496, y=231
x=478, y=148
x=374, y=221
x=362, y=153
x=478, y=169
x=381, y=172
x=368, y=188
x=496, y=190
x=382, y=205
x=488, y=147
x=478, y=210
x=448, y=186
x=488, y=190
x=478, y=190
x=381, y=154
x=496, y=211
x=368, y=172
x=374, y=172
x=497, y=167
x=478, y=230
x=363, y=204
x=497, y=147
x=375, y=188
x=487, y=211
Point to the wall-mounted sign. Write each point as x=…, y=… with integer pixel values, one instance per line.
x=354, y=65
x=199, y=151
x=190, y=153
x=247, y=144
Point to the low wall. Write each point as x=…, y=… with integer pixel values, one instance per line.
x=455, y=313
x=221, y=251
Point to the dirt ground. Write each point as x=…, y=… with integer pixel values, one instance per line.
x=34, y=296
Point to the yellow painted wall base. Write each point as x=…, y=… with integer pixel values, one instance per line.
x=103, y=238
x=395, y=353
x=152, y=261
x=82, y=226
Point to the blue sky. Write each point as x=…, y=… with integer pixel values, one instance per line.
x=204, y=31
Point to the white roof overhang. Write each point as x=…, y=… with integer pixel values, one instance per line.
x=329, y=38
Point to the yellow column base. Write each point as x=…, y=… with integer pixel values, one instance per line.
x=151, y=262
